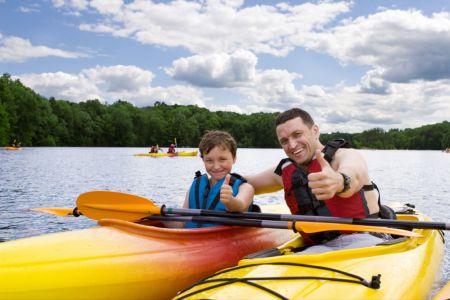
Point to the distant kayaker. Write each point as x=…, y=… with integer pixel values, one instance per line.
x=218, y=189
x=329, y=180
x=154, y=149
x=171, y=148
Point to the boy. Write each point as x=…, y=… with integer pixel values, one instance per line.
x=220, y=190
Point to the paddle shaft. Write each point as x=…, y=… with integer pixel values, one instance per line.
x=224, y=221
x=402, y=224
x=296, y=226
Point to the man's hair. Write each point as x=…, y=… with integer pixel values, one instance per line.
x=292, y=114
x=217, y=138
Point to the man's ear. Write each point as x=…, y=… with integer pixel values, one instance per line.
x=316, y=130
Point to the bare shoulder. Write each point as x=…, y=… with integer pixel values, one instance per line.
x=246, y=186
x=348, y=156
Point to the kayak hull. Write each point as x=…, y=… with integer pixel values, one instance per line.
x=123, y=260
x=181, y=153
x=408, y=270
x=12, y=148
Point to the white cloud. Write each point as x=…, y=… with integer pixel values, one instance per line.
x=400, y=45
x=28, y=9
x=108, y=84
x=61, y=85
x=17, y=50
x=194, y=24
x=77, y=5
x=272, y=89
x=407, y=106
x=215, y=70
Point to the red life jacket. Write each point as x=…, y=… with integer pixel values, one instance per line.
x=301, y=200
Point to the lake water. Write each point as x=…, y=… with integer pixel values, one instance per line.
x=54, y=177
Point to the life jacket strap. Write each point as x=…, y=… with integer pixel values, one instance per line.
x=332, y=146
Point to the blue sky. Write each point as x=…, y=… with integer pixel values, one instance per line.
x=354, y=65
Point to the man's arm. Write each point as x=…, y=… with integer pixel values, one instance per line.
x=265, y=182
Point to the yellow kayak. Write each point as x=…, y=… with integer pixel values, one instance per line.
x=403, y=269
x=181, y=153
x=12, y=148
x=124, y=260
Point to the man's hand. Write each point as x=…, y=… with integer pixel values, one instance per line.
x=326, y=183
x=226, y=191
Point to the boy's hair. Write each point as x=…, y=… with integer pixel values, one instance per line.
x=217, y=138
x=292, y=114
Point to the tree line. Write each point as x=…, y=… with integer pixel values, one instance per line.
x=34, y=120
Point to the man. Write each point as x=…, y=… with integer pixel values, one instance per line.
x=340, y=187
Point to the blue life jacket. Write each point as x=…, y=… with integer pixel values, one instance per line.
x=203, y=196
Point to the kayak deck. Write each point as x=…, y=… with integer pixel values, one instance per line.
x=404, y=269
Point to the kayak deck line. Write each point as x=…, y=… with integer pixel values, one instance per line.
x=374, y=283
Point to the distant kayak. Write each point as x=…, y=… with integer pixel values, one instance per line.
x=181, y=153
x=12, y=148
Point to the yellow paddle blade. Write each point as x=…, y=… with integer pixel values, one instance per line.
x=116, y=205
x=59, y=211
x=310, y=227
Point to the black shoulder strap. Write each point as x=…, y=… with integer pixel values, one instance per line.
x=236, y=176
x=332, y=146
x=198, y=174
x=278, y=169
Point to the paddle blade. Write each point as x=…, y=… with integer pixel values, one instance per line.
x=311, y=227
x=59, y=211
x=115, y=205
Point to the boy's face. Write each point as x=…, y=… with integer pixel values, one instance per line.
x=218, y=162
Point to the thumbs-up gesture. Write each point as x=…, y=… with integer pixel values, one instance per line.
x=226, y=192
x=326, y=183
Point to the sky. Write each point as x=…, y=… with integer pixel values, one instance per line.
x=353, y=65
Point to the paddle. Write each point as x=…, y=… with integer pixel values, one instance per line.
x=308, y=227
x=305, y=227
x=131, y=207
x=107, y=204
x=59, y=211
x=298, y=226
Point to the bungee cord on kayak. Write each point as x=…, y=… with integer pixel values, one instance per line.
x=374, y=283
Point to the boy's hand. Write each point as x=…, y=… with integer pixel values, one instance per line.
x=226, y=192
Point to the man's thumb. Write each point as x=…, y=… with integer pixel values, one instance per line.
x=321, y=160
x=227, y=179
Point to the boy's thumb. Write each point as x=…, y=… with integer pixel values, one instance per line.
x=227, y=179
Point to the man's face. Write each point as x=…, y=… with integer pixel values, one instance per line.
x=298, y=141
